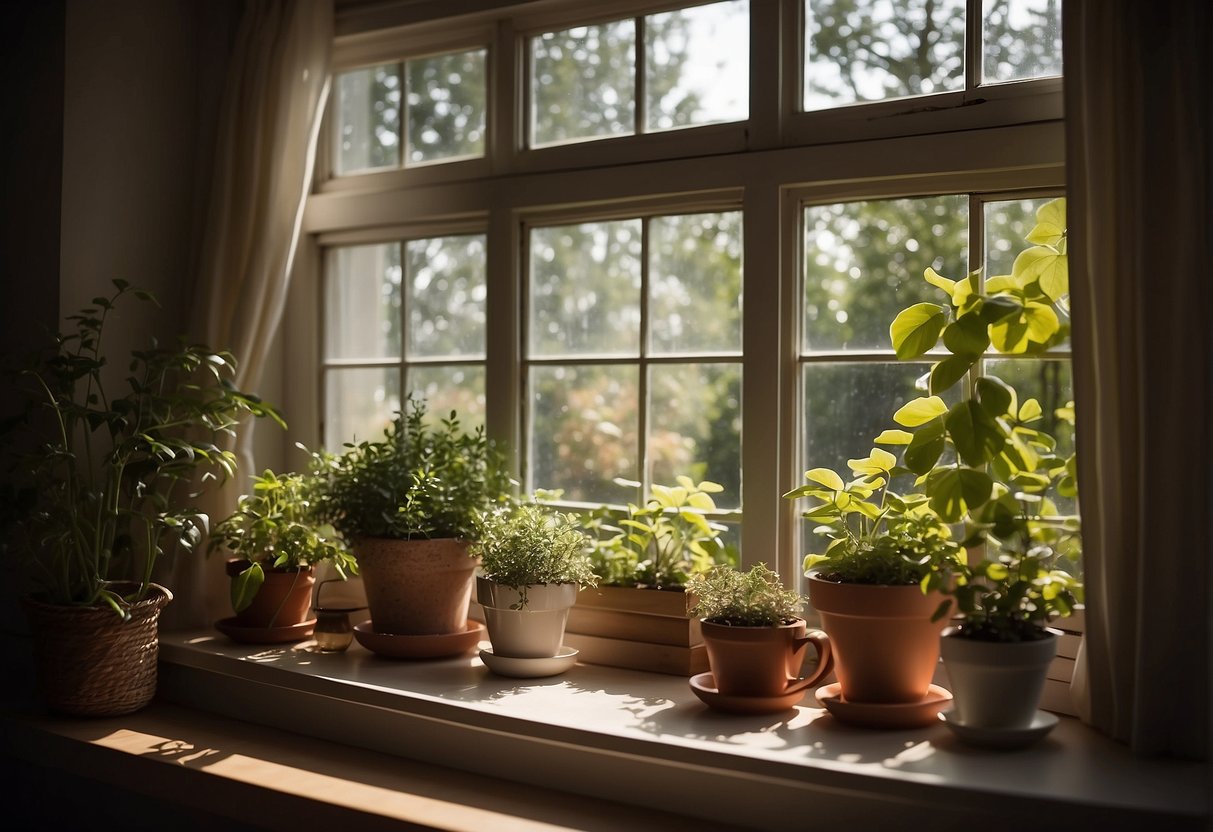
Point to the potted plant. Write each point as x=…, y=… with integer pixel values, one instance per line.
x=755, y=639
x=636, y=617
x=532, y=563
x=409, y=503
x=1004, y=478
x=869, y=586
x=105, y=478
x=276, y=544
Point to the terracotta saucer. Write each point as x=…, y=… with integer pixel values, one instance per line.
x=1042, y=723
x=882, y=714
x=704, y=686
x=265, y=635
x=419, y=647
x=565, y=658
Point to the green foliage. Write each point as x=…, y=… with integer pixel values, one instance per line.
x=662, y=543
x=533, y=545
x=275, y=528
x=418, y=481
x=755, y=598
x=106, y=486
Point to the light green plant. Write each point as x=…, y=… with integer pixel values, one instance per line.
x=662, y=543
x=530, y=545
x=417, y=481
x=753, y=598
x=275, y=528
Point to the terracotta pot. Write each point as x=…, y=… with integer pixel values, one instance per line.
x=416, y=587
x=763, y=661
x=284, y=600
x=534, y=632
x=886, y=648
x=996, y=684
x=90, y=662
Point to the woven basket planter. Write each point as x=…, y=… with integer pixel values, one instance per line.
x=90, y=662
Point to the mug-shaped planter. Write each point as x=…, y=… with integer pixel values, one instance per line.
x=996, y=685
x=533, y=631
x=764, y=661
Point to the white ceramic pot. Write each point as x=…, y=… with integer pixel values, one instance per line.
x=536, y=631
x=996, y=685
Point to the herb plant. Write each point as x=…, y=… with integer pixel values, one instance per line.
x=275, y=528
x=418, y=481
x=754, y=598
x=532, y=545
x=107, y=490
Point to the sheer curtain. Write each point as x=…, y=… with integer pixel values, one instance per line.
x=274, y=98
x=1138, y=133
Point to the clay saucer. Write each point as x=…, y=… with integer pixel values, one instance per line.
x=533, y=668
x=265, y=635
x=438, y=646
x=704, y=686
x=885, y=715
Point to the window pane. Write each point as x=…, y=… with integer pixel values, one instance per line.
x=695, y=283
x=583, y=432
x=869, y=50
x=368, y=119
x=585, y=289
x=446, y=95
x=583, y=83
x=362, y=302
x=458, y=387
x=359, y=404
x=1022, y=39
x=864, y=263
x=446, y=296
x=697, y=65
x=695, y=426
x=1047, y=381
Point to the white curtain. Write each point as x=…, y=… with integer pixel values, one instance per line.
x=274, y=97
x=1138, y=88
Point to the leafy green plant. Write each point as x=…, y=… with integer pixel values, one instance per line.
x=662, y=543
x=753, y=598
x=985, y=461
x=418, y=481
x=275, y=528
x=106, y=489
x=531, y=545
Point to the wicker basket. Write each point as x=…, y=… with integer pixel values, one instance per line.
x=90, y=662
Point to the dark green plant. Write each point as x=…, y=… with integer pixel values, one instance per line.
x=275, y=528
x=754, y=598
x=107, y=488
x=662, y=543
x=418, y=481
x=531, y=545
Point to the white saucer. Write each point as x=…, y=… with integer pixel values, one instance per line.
x=529, y=668
x=1042, y=723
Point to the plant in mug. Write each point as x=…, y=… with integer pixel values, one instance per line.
x=531, y=545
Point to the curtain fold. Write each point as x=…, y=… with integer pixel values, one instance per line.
x=1137, y=88
x=274, y=96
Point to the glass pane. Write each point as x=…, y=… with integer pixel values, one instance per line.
x=1047, y=381
x=362, y=302
x=870, y=50
x=446, y=296
x=695, y=283
x=368, y=119
x=583, y=432
x=1007, y=223
x=864, y=263
x=697, y=65
x=585, y=289
x=458, y=387
x=446, y=95
x=1022, y=39
x=583, y=83
x=695, y=426
x=359, y=404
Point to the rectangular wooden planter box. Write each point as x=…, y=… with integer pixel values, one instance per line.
x=637, y=629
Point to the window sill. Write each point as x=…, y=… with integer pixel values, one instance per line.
x=644, y=739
